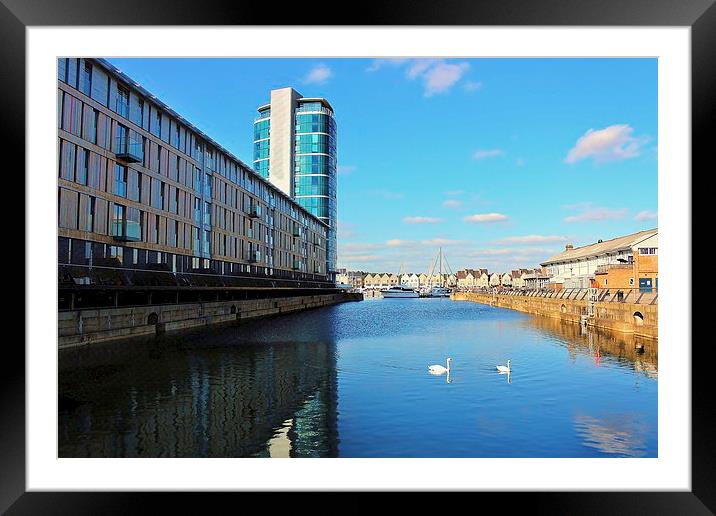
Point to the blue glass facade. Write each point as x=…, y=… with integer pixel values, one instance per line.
x=315, y=164
x=262, y=142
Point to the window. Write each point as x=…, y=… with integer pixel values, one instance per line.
x=122, y=107
x=115, y=251
x=175, y=135
x=207, y=213
x=138, y=113
x=207, y=241
x=195, y=234
x=197, y=209
x=90, y=214
x=120, y=180
x=118, y=221
x=86, y=79
x=122, y=139
x=207, y=186
x=156, y=125
x=92, y=131
x=82, y=166
x=155, y=235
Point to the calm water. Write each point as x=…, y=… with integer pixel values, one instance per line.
x=352, y=381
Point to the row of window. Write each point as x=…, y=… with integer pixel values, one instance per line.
x=160, y=124
x=86, y=253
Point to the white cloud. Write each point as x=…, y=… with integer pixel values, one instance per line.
x=346, y=169
x=442, y=76
x=532, y=239
x=613, y=143
x=520, y=162
x=646, y=215
x=441, y=241
x=318, y=75
x=487, y=153
x=485, y=218
x=437, y=75
x=454, y=193
x=421, y=220
x=597, y=214
x=472, y=85
x=419, y=66
x=377, y=64
x=397, y=243
x=452, y=203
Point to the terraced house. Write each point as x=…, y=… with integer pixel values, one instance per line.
x=146, y=200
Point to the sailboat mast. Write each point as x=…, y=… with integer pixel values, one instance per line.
x=442, y=282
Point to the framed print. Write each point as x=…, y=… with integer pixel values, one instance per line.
x=423, y=256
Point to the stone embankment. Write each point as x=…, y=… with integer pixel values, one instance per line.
x=636, y=318
x=81, y=327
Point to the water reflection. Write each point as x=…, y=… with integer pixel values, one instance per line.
x=271, y=388
x=621, y=435
x=638, y=352
x=226, y=396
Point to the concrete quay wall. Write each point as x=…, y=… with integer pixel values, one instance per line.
x=615, y=316
x=83, y=327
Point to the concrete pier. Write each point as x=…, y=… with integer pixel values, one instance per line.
x=639, y=319
x=83, y=327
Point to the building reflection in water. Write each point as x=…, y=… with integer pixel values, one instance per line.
x=622, y=435
x=641, y=353
x=218, y=393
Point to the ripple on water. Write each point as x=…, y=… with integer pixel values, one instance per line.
x=352, y=380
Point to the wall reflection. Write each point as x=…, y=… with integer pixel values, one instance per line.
x=214, y=394
x=639, y=352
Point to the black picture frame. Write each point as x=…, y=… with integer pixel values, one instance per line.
x=17, y=15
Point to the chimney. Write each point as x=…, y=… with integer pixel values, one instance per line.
x=568, y=247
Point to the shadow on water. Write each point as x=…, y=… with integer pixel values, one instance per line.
x=212, y=393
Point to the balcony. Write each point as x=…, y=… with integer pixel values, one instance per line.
x=604, y=269
x=126, y=230
x=128, y=150
x=255, y=211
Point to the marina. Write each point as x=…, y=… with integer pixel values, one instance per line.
x=352, y=380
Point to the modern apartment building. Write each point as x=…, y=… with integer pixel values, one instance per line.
x=630, y=261
x=295, y=149
x=146, y=199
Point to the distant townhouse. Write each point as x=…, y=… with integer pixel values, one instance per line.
x=484, y=280
x=352, y=278
x=535, y=279
x=506, y=279
x=411, y=280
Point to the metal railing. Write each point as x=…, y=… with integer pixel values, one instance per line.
x=635, y=295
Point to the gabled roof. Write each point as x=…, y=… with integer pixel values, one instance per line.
x=614, y=245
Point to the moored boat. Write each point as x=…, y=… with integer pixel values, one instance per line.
x=400, y=291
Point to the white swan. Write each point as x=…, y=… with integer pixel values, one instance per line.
x=438, y=369
x=504, y=369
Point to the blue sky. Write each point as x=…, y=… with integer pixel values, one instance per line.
x=499, y=161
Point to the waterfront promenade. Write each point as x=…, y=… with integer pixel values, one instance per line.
x=82, y=327
x=630, y=312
